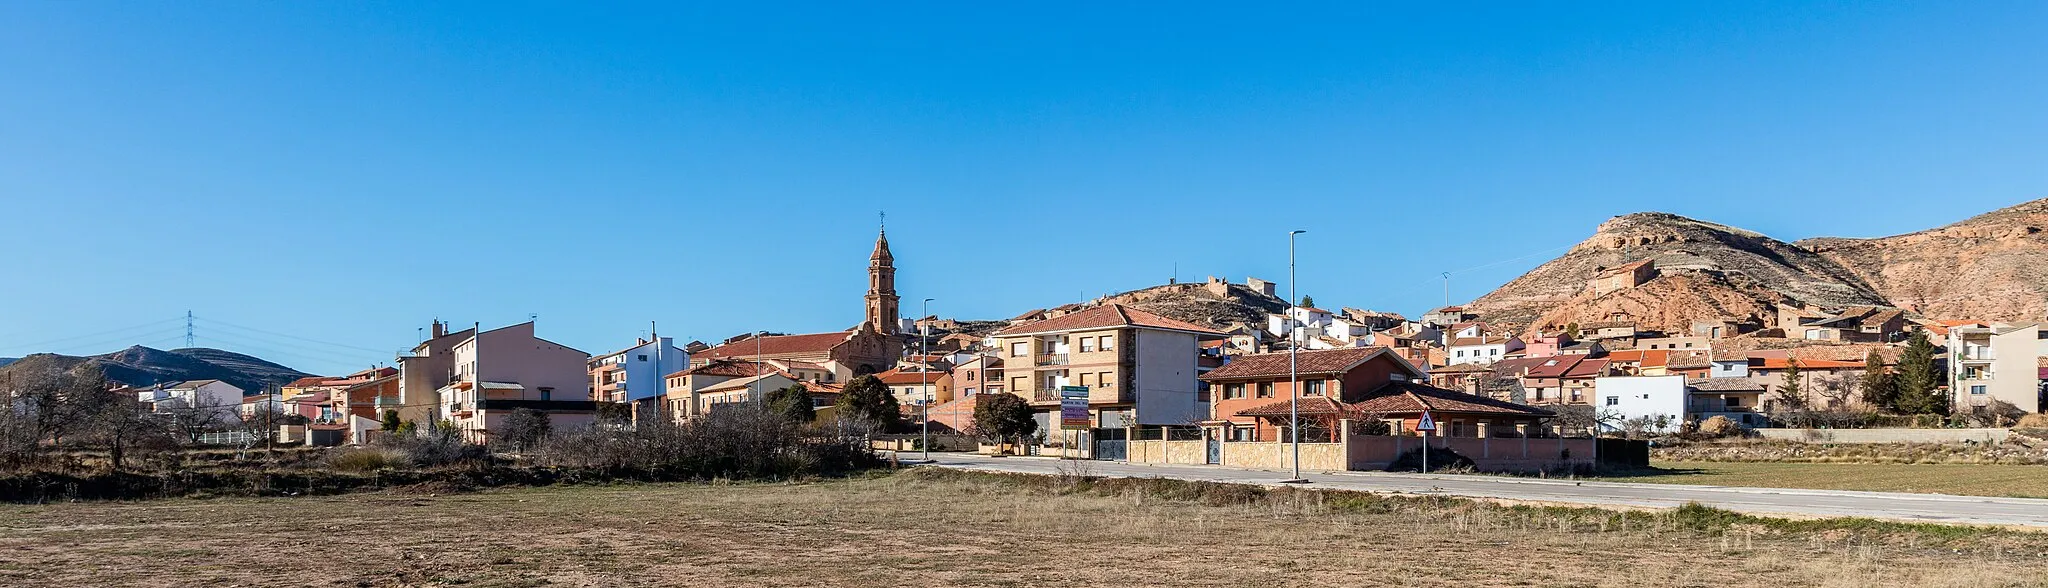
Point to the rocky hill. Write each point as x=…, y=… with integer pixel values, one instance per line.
x=1216, y=303
x=1704, y=271
x=1990, y=267
x=142, y=366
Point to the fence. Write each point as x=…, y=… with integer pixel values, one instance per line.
x=1514, y=454
x=947, y=442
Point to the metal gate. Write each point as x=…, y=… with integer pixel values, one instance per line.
x=1215, y=447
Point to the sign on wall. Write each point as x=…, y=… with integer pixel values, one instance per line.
x=1074, y=408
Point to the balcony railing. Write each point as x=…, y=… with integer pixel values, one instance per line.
x=1978, y=354
x=1052, y=359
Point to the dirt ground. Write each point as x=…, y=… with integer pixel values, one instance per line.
x=919, y=530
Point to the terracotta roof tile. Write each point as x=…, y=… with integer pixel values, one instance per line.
x=1321, y=361
x=778, y=344
x=1106, y=316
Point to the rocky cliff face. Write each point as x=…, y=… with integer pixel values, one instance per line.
x=1990, y=267
x=1705, y=271
x=1214, y=304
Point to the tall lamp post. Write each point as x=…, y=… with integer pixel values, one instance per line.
x=1293, y=373
x=923, y=373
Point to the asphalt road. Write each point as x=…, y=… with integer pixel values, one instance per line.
x=1924, y=508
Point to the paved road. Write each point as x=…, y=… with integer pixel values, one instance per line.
x=1935, y=508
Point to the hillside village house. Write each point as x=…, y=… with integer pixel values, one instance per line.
x=1139, y=367
x=422, y=373
x=1862, y=324
x=1737, y=398
x=914, y=387
x=1824, y=383
x=1563, y=379
x=2000, y=362
x=220, y=401
x=1622, y=277
x=509, y=368
x=982, y=374
x=873, y=346
x=634, y=375
x=1645, y=362
x=1256, y=397
x=1472, y=344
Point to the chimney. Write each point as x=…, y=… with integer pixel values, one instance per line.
x=440, y=328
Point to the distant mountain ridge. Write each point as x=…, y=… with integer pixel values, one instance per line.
x=1991, y=267
x=144, y=366
x=7, y=360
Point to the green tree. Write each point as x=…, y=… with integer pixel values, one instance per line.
x=1790, y=396
x=1571, y=331
x=866, y=399
x=1918, y=379
x=1880, y=386
x=1003, y=417
x=793, y=403
x=391, y=420
x=1307, y=301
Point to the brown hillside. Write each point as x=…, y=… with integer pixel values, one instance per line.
x=1991, y=267
x=1706, y=271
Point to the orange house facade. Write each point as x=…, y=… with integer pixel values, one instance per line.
x=1253, y=381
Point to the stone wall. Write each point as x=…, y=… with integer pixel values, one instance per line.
x=1169, y=452
x=1885, y=435
x=1266, y=455
x=1488, y=454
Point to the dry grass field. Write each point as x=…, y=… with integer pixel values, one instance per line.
x=930, y=528
x=2024, y=481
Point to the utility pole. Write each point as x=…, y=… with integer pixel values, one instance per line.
x=923, y=375
x=188, y=328
x=1447, y=289
x=1293, y=369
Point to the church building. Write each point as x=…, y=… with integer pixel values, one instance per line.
x=871, y=347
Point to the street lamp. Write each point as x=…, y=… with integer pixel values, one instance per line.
x=1293, y=373
x=923, y=373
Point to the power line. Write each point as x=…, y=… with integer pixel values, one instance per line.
x=291, y=336
x=102, y=333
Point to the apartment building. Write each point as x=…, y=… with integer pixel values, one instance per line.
x=1998, y=362
x=498, y=371
x=634, y=375
x=1139, y=367
x=422, y=373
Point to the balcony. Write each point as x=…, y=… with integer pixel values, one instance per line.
x=1095, y=396
x=1051, y=359
x=1978, y=354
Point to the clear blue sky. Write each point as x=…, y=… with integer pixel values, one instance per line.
x=344, y=172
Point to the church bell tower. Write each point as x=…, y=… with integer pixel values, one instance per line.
x=882, y=300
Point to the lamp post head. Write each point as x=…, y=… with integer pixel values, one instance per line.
x=1296, y=232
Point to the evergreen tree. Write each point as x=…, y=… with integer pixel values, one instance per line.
x=1307, y=301
x=1880, y=386
x=866, y=399
x=1571, y=331
x=1918, y=379
x=391, y=420
x=1789, y=394
x=1003, y=417
x=793, y=403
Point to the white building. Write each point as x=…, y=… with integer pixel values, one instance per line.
x=1651, y=398
x=635, y=374
x=1482, y=349
x=1999, y=362
x=219, y=400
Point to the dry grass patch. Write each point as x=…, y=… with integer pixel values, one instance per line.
x=2023, y=481
x=941, y=528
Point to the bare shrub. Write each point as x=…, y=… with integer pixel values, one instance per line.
x=368, y=459
x=741, y=443
x=1719, y=426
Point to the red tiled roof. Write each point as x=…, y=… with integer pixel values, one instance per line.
x=778, y=345
x=1779, y=363
x=1308, y=405
x=1410, y=397
x=1642, y=357
x=902, y=377
x=730, y=368
x=1469, y=341
x=1555, y=367
x=1588, y=368
x=1322, y=361
x=1106, y=316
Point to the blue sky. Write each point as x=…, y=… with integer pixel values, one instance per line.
x=317, y=181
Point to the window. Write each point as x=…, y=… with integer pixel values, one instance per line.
x=1105, y=379
x=1020, y=349
x=1233, y=391
x=1312, y=388
x=547, y=393
x=1087, y=344
x=1732, y=401
x=1265, y=389
x=1977, y=390
x=1461, y=353
x=643, y=357
x=1085, y=377
x=1576, y=396
x=1613, y=400
x=1017, y=384
x=1106, y=342
x=970, y=376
